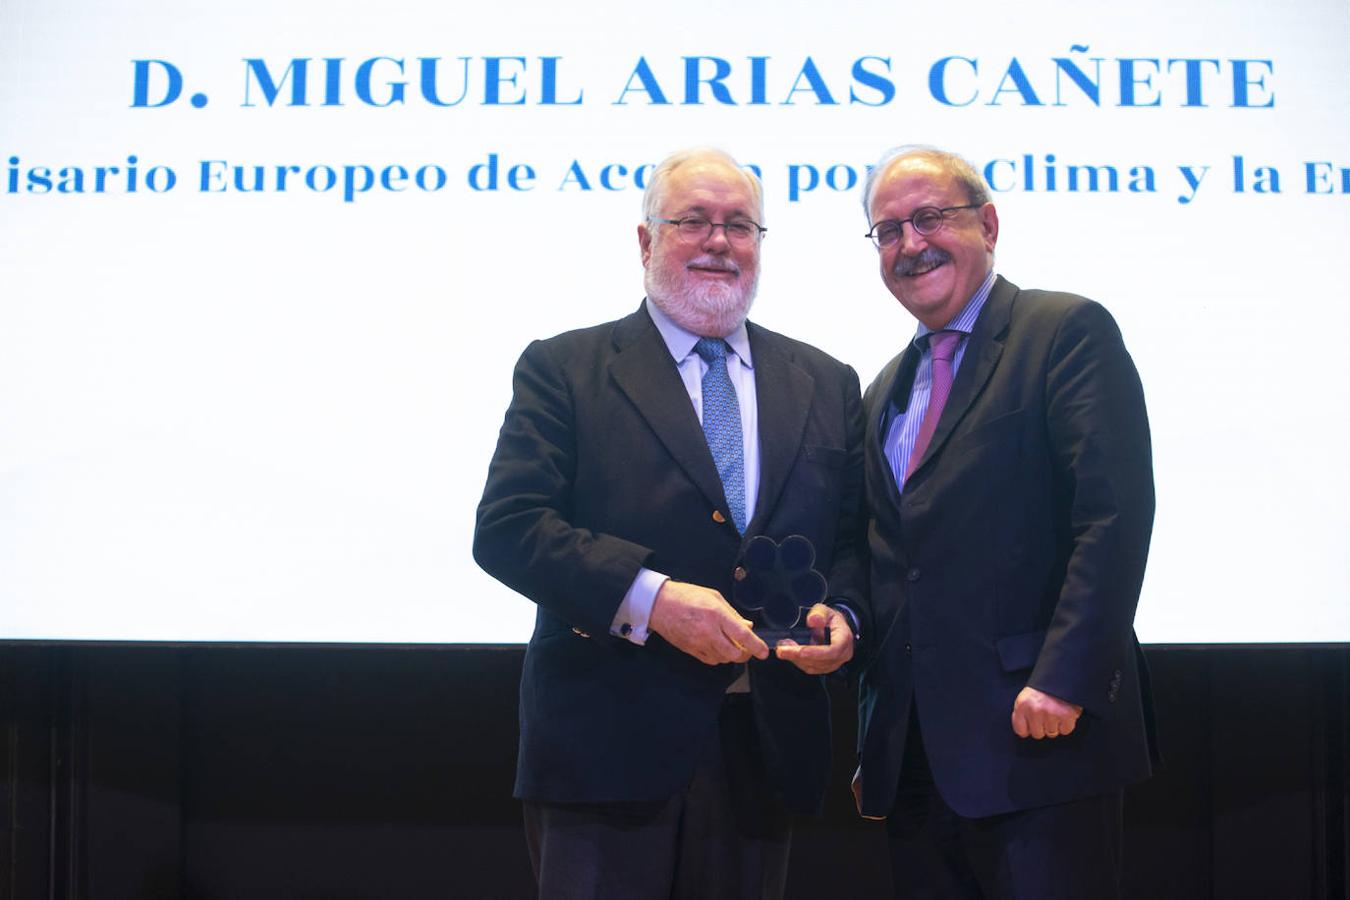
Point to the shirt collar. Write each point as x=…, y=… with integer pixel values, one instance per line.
x=964, y=321
x=680, y=342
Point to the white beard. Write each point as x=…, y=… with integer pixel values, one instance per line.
x=705, y=308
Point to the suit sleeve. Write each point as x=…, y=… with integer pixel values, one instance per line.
x=524, y=536
x=1100, y=447
x=849, y=565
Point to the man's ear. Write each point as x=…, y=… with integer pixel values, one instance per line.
x=645, y=242
x=989, y=225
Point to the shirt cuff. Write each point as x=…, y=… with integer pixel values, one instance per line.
x=851, y=616
x=635, y=612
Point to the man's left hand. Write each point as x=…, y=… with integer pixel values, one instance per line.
x=1039, y=715
x=819, y=659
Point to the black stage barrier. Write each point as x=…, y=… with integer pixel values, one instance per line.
x=213, y=772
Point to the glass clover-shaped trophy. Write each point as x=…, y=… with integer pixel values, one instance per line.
x=777, y=582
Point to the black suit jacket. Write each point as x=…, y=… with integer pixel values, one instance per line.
x=602, y=468
x=1014, y=557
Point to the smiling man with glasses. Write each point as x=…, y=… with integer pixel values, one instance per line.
x=1010, y=486
x=664, y=747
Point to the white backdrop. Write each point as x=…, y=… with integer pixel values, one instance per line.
x=267, y=415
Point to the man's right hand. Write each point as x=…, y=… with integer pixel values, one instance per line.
x=700, y=622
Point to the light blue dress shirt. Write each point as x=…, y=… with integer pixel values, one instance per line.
x=634, y=614
x=903, y=428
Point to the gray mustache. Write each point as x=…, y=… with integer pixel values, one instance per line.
x=712, y=262
x=927, y=258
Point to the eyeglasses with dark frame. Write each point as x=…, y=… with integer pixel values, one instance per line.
x=695, y=229
x=926, y=220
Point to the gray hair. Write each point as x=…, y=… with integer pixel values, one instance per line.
x=955, y=165
x=654, y=194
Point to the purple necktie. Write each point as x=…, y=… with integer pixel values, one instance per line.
x=943, y=345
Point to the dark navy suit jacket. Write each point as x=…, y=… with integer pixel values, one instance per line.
x=1014, y=556
x=602, y=468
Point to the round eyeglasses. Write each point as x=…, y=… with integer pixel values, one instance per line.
x=696, y=229
x=926, y=220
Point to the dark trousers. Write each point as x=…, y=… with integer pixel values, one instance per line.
x=723, y=836
x=1070, y=850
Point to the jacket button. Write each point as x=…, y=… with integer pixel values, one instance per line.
x=908, y=648
x=718, y=517
x=739, y=573
x=913, y=574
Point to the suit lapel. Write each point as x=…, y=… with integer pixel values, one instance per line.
x=644, y=371
x=981, y=358
x=783, y=392
x=894, y=389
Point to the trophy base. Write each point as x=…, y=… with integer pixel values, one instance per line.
x=802, y=635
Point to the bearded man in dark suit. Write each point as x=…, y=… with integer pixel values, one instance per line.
x=664, y=747
x=1004, y=700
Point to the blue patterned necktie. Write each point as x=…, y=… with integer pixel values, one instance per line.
x=722, y=426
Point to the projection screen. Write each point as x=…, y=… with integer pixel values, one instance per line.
x=266, y=268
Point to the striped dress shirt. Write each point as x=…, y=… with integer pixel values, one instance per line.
x=900, y=427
